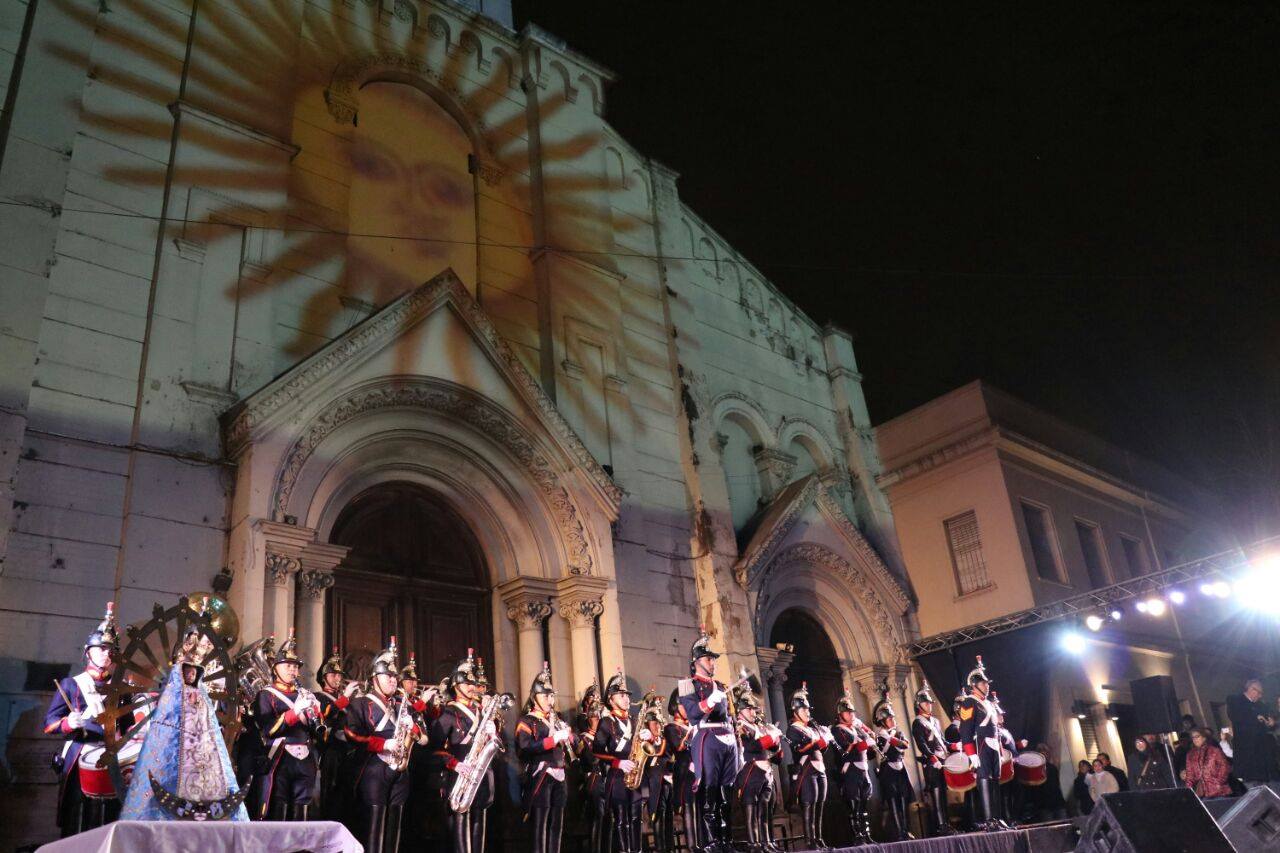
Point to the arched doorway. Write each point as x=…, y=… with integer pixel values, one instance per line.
x=815, y=661
x=414, y=570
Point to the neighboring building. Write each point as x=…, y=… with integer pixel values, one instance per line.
x=230, y=337
x=1001, y=508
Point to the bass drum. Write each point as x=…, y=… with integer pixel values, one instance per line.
x=959, y=776
x=1030, y=769
x=95, y=772
x=1006, y=766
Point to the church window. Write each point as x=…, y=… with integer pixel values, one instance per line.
x=967, y=559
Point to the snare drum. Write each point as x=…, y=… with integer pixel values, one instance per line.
x=1029, y=768
x=95, y=780
x=960, y=777
x=1006, y=766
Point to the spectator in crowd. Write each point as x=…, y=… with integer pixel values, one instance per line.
x=1149, y=765
x=1253, y=747
x=1101, y=780
x=1207, y=771
x=1184, y=742
x=1080, y=788
x=1113, y=770
x=1046, y=800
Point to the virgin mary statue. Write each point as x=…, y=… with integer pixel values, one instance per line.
x=183, y=772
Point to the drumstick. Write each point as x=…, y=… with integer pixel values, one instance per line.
x=58, y=686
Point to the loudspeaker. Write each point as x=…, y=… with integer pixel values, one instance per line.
x=1155, y=703
x=1253, y=823
x=1171, y=820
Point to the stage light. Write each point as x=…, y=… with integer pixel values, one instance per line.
x=1093, y=621
x=1207, y=589
x=1155, y=607
x=1221, y=589
x=1260, y=589
x=1141, y=607
x=1073, y=642
x=1177, y=596
x=1116, y=615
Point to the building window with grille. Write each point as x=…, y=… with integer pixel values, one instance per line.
x=1044, y=545
x=1135, y=554
x=1095, y=556
x=967, y=559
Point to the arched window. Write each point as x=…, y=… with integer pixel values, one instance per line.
x=741, y=476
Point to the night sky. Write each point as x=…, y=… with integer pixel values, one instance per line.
x=1080, y=205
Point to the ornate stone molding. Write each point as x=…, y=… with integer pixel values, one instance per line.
x=313, y=583
x=280, y=567
x=775, y=466
x=870, y=678
x=583, y=612
x=485, y=417
x=774, y=664
x=763, y=543
x=245, y=421
x=888, y=627
x=529, y=614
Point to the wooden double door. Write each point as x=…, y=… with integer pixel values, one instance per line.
x=414, y=571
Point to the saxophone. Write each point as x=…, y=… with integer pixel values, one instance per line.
x=484, y=746
x=402, y=740
x=641, y=752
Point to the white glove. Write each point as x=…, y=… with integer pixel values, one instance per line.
x=560, y=735
x=646, y=735
x=626, y=765
x=351, y=687
x=75, y=720
x=716, y=697
x=462, y=768
x=974, y=762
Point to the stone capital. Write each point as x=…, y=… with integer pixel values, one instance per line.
x=280, y=567
x=529, y=614
x=582, y=612
x=774, y=664
x=314, y=582
x=870, y=678
x=322, y=557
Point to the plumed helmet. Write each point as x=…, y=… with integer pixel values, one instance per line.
x=978, y=673
x=673, y=703
x=105, y=636
x=410, y=670
x=590, y=704
x=923, y=695
x=616, y=684
x=745, y=697
x=541, y=686
x=288, y=652
x=482, y=677
x=651, y=708
x=884, y=708
x=333, y=663
x=701, y=649
x=387, y=661
x=468, y=670
x=800, y=699
x=845, y=704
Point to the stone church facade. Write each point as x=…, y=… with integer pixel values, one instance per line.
x=365, y=302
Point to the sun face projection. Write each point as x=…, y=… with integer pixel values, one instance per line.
x=345, y=213
x=410, y=186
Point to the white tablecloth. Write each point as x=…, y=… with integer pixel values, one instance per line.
x=131, y=836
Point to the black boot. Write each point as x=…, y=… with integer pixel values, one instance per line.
x=622, y=827
x=461, y=826
x=539, y=816
x=689, y=817
x=710, y=814
x=985, y=804
x=597, y=831
x=806, y=821
x=391, y=835
x=725, y=810
x=753, y=827
x=818, y=808
x=607, y=828
x=658, y=821
x=555, y=828
x=902, y=819
x=377, y=820
x=637, y=827
x=942, y=823
x=479, y=825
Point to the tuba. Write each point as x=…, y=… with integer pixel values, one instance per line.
x=253, y=665
x=484, y=746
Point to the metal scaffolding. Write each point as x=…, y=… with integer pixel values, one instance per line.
x=1095, y=601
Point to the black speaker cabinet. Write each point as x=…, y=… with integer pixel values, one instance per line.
x=1155, y=704
x=1172, y=820
x=1253, y=823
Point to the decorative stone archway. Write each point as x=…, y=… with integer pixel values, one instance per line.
x=467, y=423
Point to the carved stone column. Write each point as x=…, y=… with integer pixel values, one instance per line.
x=281, y=548
x=773, y=671
x=313, y=580
x=528, y=603
x=775, y=467
x=581, y=603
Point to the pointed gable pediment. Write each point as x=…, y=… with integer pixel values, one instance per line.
x=436, y=330
x=805, y=511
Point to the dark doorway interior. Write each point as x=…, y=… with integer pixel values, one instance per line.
x=415, y=570
x=815, y=662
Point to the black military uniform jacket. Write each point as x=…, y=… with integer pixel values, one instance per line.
x=678, y=736
x=453, y=732
x=757, y=744
x=371, y=721
x=277, y=720
x=613, y=739
x=978, y=726
x=333, y=713
x=807, y=745
x=927, y=734
x=892, y=744
x=535, y=746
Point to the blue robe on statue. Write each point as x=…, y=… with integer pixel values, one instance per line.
x=184, y=751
